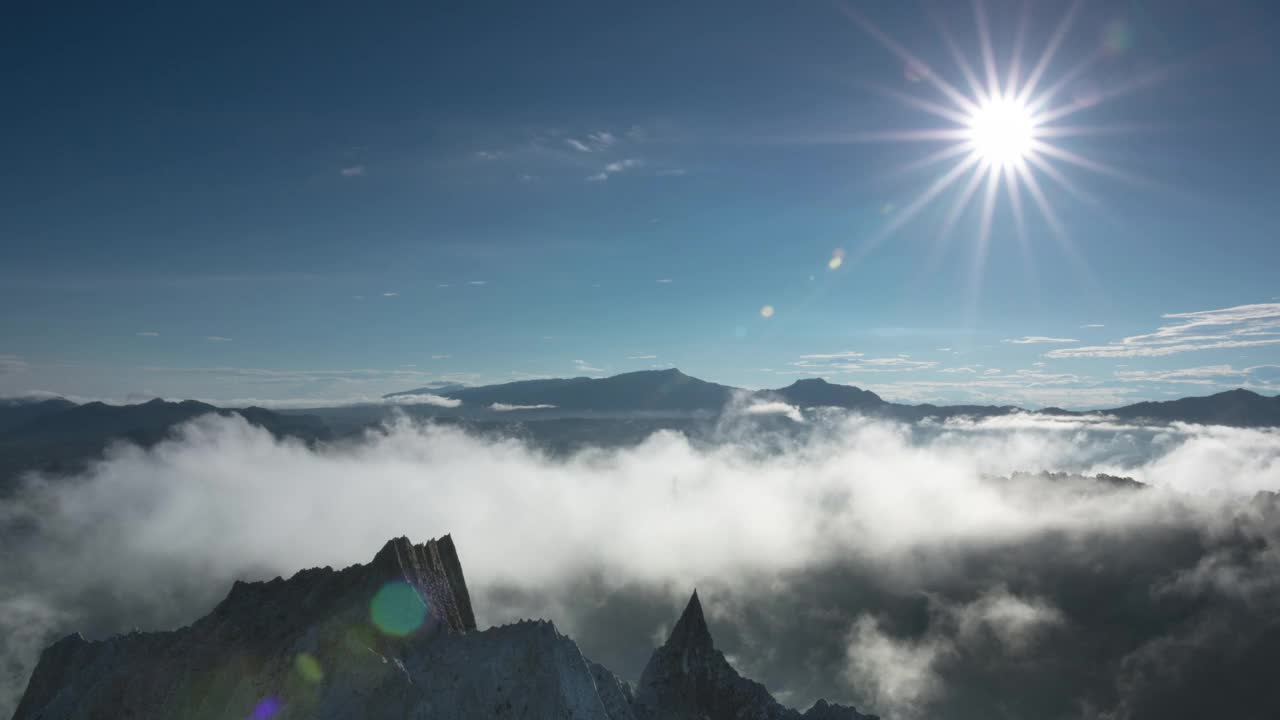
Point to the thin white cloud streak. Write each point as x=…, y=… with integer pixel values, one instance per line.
x=1038, y=339
x=504, y=407
x=424, y=399
x=217, y=338
x=642, y=357
x=832, y=356
x=854, y=362
x=12, y=364
x=148, y=333
x=775, y=408
x=1226, y=328
x=614, y=168
x=1203, y=375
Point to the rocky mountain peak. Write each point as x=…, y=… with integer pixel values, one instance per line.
x=393, y=638
x=690, y=631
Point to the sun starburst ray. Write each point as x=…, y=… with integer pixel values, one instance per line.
x=1050, y=49
x=1078, y=160
x=962, y=62
x=906, y=56
x=1060, y=179
x=1019, y=38
x=1006, y=130
x=932, y=159
x=908, y=213
x=985, y=47
x=942, y=111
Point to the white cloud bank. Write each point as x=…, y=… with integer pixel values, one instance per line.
x=162, y=533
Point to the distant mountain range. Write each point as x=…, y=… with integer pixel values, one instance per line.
x=59, y=436
x=561, y=415
x=674, y=391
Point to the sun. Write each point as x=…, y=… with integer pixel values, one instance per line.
x=1002, y=132
x=1006, y=132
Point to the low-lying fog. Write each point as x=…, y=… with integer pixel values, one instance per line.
x=886, y=565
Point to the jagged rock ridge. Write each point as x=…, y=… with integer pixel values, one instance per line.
x=688, y=679
x=321, y=645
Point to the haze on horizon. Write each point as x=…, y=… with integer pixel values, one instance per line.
x=318, y=204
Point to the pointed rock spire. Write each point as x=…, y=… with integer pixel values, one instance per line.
x=691, y=629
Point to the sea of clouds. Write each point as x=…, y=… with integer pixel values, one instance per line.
x=894, y=566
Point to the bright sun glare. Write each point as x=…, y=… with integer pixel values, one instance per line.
x=1002, y=131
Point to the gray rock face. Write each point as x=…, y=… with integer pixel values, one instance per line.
x=688, y=679
x=395, y=638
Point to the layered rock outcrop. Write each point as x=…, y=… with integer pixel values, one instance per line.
x=395, y=638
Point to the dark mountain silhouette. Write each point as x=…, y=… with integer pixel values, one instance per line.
x=392, y=639
x=646, y=390
x=148, y=421
x=20, y=411
x=63, y=439
x=674, y=391
x=816, y=392
x=1240, y=408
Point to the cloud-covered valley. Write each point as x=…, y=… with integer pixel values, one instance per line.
x=906, y=568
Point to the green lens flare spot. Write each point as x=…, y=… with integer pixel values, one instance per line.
x=309, y=668
x=397, y=609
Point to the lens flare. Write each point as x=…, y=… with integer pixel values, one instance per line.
x=397, y=609
x=267, y=708
x=837, y=259
x=309, y=668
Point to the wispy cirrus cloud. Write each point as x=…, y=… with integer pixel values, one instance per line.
x=12, y=364
x=1093, y=325
x=642, y=357
x=593, y=142
x=1233, y=327
x=217, y=338
x=614, y=168
x=1027, y=387
x=586, y=367
x=353, y=171
x=855, y=362
x=148, y=333
x=833, y=356
x=1038, y=339
x=1256, y=375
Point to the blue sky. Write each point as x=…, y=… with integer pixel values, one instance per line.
x=320, y=202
